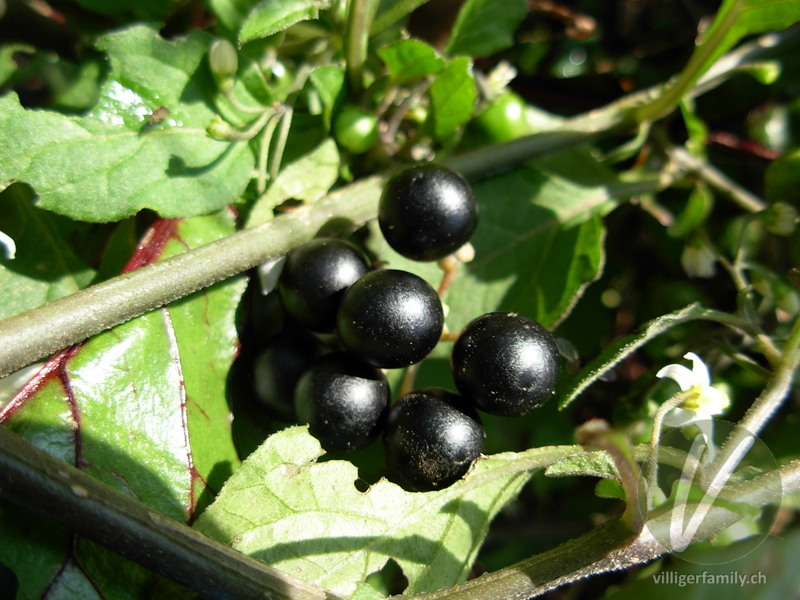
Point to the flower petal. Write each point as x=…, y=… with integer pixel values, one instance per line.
x=713, y=401
x=683, y=376
x=699, y=369
x=678, y=417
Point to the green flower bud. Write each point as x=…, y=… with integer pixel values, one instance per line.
x=780, y=219
x=219, y=129
x=224, y=62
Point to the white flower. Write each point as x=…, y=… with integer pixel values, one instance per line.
x=698, y=261
x=701, y=401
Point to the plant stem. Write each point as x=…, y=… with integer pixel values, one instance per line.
x=36, y=480
x=359, y=19
x=230, y=96
x=263, y=154
x=767, y=403
x=252, y=129
x=650, y=470
x=716, y=179
x=596, y=433
x=609, y=547
x=698, y=63
x=40, y=332
x=276, y=156
x=746, y=305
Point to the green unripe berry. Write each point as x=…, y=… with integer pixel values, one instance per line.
x=355, y=129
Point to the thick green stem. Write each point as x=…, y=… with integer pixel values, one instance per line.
x=359, y=20
x=41, y=483
x=46, y=329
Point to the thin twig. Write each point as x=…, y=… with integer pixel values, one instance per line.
x=767, y=403
x=716, y=179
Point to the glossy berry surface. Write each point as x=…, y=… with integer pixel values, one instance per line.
x=390, y=318
x=278, y=367
x=505, y=363
x=315, y=276
x=427, y=212
x=432, y=436
x=343, y=400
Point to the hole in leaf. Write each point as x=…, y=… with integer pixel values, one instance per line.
x=390, y=580
x=362, y=486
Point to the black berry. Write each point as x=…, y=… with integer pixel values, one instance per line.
x=343, y=400
x=390, y=318
x=506, y=364
x=267, y=315
x=315, y=276
x=432, y=436
x=427, y=212
x=278, y=368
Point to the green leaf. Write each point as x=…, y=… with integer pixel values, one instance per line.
x=609, y=488
x=484, y=27
x=695, y=213
x=8, y=66
x=590, y=464
x=453, y=96
x=231, y=14
x=112, y=162
x=328, y=80
x=782, y=179
x=364, y=591
x=410, y=60
x=45, y=266
x=141, y=407
x=735, y=20
x=696, y=127
x=617, y=351
x=739, y=18
x=392, y=11
x=294, y=181
x=272, y=16
x=308, y=518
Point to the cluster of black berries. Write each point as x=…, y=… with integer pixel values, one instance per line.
x=502, y=363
